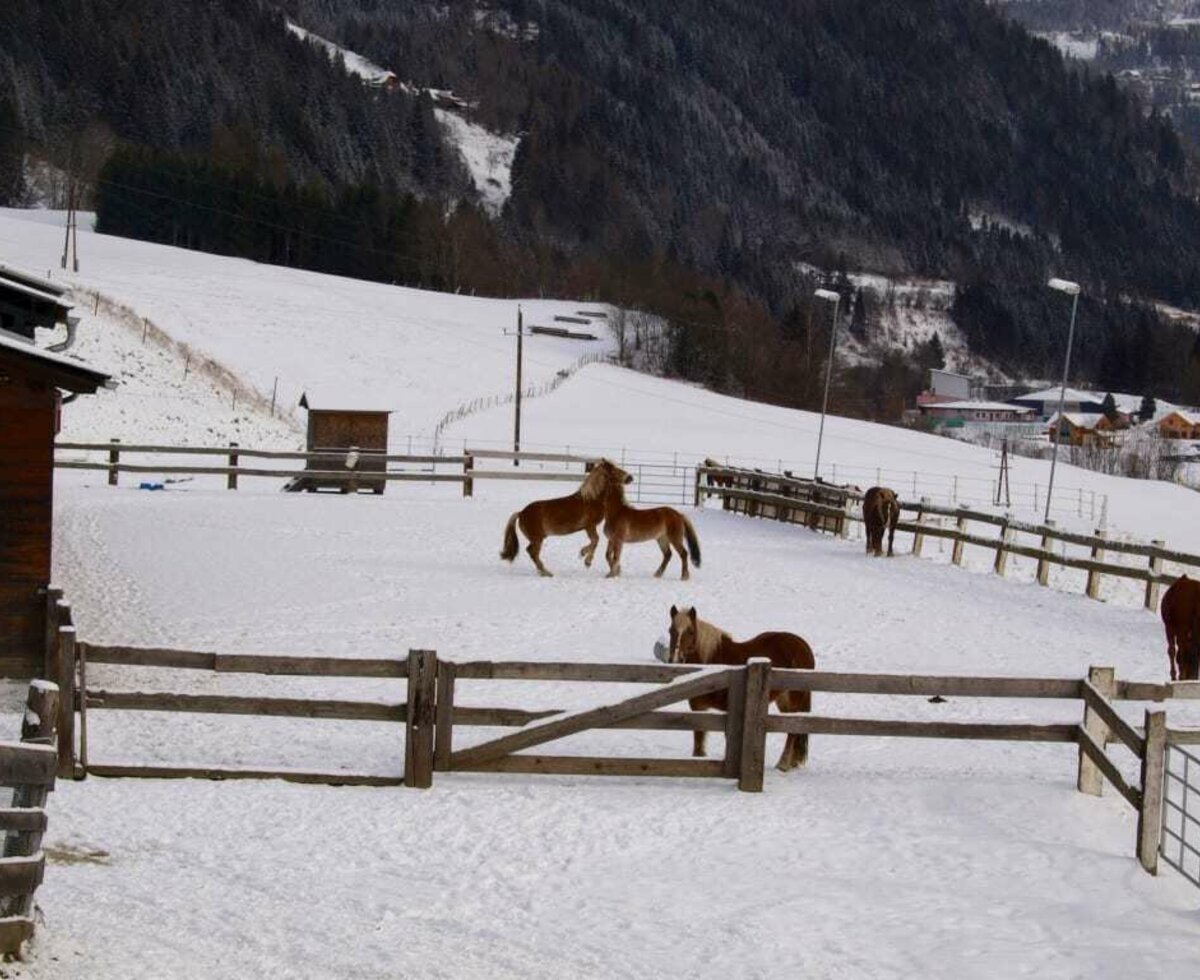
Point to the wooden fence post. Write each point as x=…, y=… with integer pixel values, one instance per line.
x=847, y=511
x=696, y=490
x=468, y=482
x=1002, y=544
x=1043, y=565
x=1152, y=588
x=918, y=536
x=1153, y=765
x=420, y=719
x=754, y=729
x=1093, y=577
x=1090, y=779
x=231, y=480
x=66, y=704
x=734, y=722
x=38, y=727
x=443, y=741
x=50, y=656
x=961, y=527
x=114, y=458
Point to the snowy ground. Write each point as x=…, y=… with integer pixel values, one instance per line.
x=886, y=858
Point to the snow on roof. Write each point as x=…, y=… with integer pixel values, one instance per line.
x=1081, y=420
x=28, y=279
x=24, y=346
x=17, y=286
x=1052, y=394
x=1192, y=418
x=982, y=406
x=324, y=400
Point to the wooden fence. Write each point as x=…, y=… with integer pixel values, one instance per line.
x=29, y=768
x=432, y=717
x=831, y=509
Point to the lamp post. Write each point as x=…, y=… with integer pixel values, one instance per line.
x=1071, y=289
x=828, y=296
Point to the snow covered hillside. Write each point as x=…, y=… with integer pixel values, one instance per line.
x=884, y=858
x=488, y=156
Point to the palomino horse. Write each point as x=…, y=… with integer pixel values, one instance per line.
x=881, y=510
x=581, y=511
x=693, y=641
x=1181, y=618
x=665, y=525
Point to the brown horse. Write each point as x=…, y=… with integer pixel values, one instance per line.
x=881, y=510
x=624, y=524
x=1181, y=618
x=693, y=641
x=581, y=511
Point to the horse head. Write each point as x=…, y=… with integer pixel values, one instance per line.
x=685, y=632
x=604, y=477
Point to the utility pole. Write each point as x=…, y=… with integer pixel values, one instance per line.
x=71, y=239
x=517, y=400
x=1002, y=487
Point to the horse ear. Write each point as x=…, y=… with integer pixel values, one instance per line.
x=674, y=612
x=692, y=614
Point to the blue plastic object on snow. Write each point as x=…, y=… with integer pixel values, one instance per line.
x=150, y=486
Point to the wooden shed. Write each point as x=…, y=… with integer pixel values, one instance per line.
x=30, y=402
x=27, y=302
x=350, y=436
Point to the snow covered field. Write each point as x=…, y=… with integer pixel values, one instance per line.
x=885, y=858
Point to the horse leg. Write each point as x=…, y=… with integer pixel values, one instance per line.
x=665, y=548
x=588, y=551
x=683, y=560
x=613, y=555
x=795, y=749
x=535, y=555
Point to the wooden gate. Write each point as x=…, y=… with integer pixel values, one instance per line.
x=742, y=725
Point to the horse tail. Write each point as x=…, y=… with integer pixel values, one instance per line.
x=511, y=545
x=692, y=541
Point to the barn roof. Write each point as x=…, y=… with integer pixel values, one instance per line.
x=21, y=358
x=322, y=400
x=1081, y=420
x=982, y=406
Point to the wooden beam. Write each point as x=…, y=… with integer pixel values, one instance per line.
x=1107, y=767
x=247, y=663
x=1103, y=681
x=443, y=740
x=24, y=820
x=537, y=671
x=756, y=702
x=21, y=875
x=929, y=684
x=600, y=717
x=581, y=765
x=801, y=724
x=420, y=719
x=1150, y=813
x=1117, y=725
x=219, y=772
x=228, y=704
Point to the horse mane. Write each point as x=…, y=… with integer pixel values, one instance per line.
x=708, y=639
x=595, y=483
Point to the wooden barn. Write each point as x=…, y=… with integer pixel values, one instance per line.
x=31, y=380
x=350, y=436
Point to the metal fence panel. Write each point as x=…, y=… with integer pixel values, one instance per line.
x=1179, y=844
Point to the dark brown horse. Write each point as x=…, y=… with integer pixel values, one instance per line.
x=881, y=510
x=581, y=511
x=1181, y=618
x=665, y=525
x=693, y=641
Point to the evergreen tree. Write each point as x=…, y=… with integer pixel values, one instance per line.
x=1108, y=407
x=1148, y=408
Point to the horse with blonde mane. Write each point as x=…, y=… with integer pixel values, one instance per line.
x=624, y=524
x=694, y=641
x=581, y=511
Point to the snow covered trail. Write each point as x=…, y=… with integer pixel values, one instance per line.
x=885, y=858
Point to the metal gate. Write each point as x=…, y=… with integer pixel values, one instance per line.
x=1179, y=844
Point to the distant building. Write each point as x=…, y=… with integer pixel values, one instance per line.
x=1178, y=424
x=1077, y=428
x=1045, y=402
x=968, y=411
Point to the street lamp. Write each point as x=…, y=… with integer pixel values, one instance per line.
x=828, y=296
x=1071, y=289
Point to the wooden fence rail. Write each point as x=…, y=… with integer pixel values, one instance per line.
x=830, y=508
